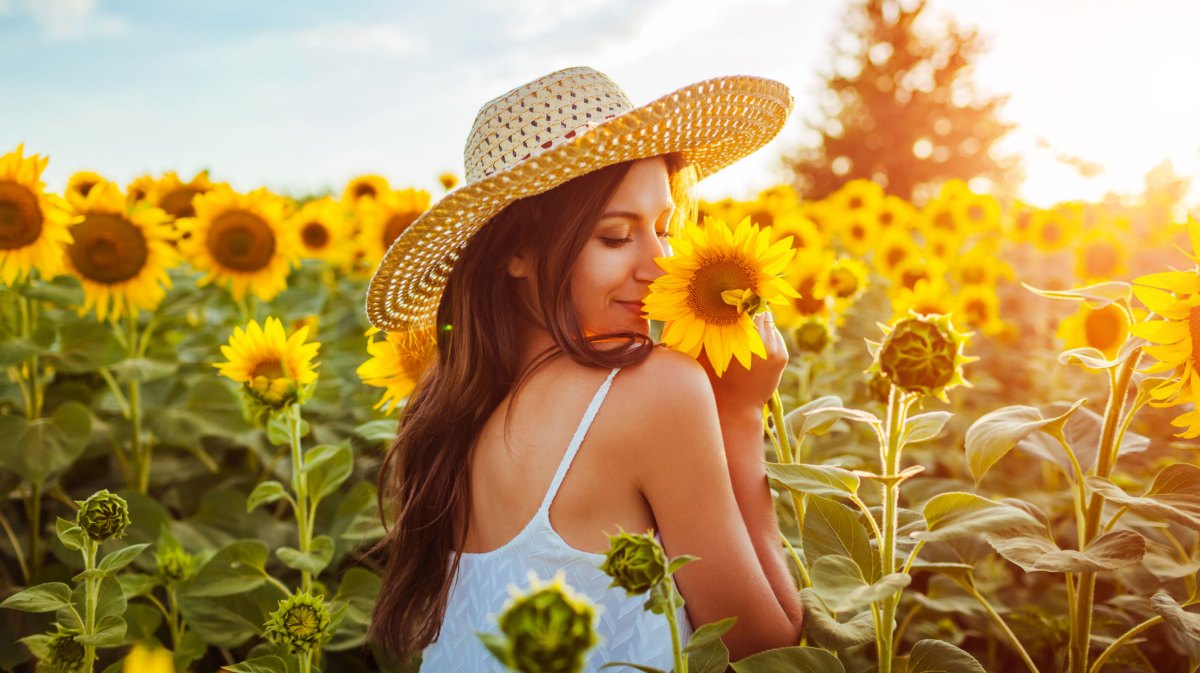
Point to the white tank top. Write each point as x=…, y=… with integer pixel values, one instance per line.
x=625, y=630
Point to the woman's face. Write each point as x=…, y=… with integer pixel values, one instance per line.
x=616, y=266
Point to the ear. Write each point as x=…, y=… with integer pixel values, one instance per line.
x=519, y=264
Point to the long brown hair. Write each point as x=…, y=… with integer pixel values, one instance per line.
x=426, y=473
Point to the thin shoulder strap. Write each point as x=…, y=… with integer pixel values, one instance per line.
x=576, y=441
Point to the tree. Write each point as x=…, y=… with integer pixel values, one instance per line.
x=901, y=109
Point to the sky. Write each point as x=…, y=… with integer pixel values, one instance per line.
x=300, y=96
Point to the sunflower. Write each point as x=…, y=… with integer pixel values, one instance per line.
x=1099, y=257
x=1174, y=295
x=978, y=213
x=140, y=189
x=857, y=230
x=1053, y=229
x=916, y=269
x=942, y=245
x=894, y=247
x=860, y=196
x=364, y=187
x=1017, y=222
x=120, y=254
x=323, y=231
x=80, y=184
x=273, y=368
x=822, y=214
x=238, y=241
x=977, y=306
x=1104, y=329
x=33, y=223
x=980, y=265
x=805, y=235
x=927, y=297
x=392, y=366
x=448, y=180
x=806, y=273
x=940, y=216
x=695, y=295
x=176, y=197
x=897, y=213
x=385, y=217
x=845, y=281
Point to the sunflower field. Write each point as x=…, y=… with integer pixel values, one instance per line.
x=982, y=451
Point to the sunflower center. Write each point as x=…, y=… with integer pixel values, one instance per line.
x=315, y=235
x=395, y=226
x=1023, y=220
x=301, y=621
x=108, y=248
x=909, y=277
x=944, y=220
x=271, y=368
x=807, y=303
x=241, y=240
x=763, y=218
x=973, y=275
x=854, y=203
x=843, y=282
x=710, y=280
x=977, y=311
x=364, y=189
x=886, y=218
x=1051, y=233
x=1100, y=260
x=178, y=201
x=895, y=256
x=20, y=216
x=85, y=188
x=857, y=231
x=1104, y=327
x=975, y=213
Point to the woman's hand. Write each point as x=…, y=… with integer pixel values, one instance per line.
x=740, y=388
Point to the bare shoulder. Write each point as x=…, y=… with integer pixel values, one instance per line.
x=667, y=377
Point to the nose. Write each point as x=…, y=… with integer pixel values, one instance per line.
x=647, y=269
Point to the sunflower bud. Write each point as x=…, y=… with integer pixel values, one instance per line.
x=812, y=336
x=175, y=565
x=635, y=562
x=302, y=623
x=64, y=653
x=922, y=354
x=103, y=516
x=274, y=393
x=549, y=629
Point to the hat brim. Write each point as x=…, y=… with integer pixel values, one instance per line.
x=713, y=123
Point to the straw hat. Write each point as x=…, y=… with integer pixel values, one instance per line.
x=551, y=130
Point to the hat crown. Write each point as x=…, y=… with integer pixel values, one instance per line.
x=540, y=115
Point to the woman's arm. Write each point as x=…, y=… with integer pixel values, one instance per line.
x=742, y=435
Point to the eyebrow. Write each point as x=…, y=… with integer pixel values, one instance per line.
x=636, y=217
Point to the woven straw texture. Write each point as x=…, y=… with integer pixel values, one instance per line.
x=545, y=133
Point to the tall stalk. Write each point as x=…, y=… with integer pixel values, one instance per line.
x=300, y=487
x=898, y=403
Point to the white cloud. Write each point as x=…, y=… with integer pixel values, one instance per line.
x=388, y=39
x=66, y=20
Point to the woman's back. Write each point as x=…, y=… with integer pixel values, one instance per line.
x=561, y=439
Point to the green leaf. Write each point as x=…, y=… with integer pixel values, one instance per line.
x=997, y=432
x=14, y=350
x=41, y=598
x=268, y=664
x=86, y=347
x=62, y=290
x=314, y=561
x=1174, y=496
x=236, y=568
x=790, y=660
x=640, y=667
x=812, y=425
x=710, y=658
x=110, y=632
x=961, y=573
x=143, y=621
x=355, y=601
x=709, y=633
x=679, y=562
x=824, y=480
x=825, y=416
x=824, y=630
x=109, y=601
x=266, y=492
x=1082, y=433
x=382, y=430
x=136, y=584
x=923, y=427
x=497, y=645
x=44, y=446
x=121, y=558
x=143, y=369
x=840, y=584
x=935, y=656
x=1185, y=625
x=1095, y=296
x=190, y=648
x=69, y=534
x=958, y=514
x=327, y=467
x=1111, y=551
x=833, y=529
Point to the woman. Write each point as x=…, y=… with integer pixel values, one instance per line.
x=522, y=446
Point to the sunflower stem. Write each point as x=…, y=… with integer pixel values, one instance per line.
x=680, y=660
x=12, y=539
x=890, y=459
x=91, y=589
x=300, y=486
x=784, y=446
x=1081, y=623
x=33, y=509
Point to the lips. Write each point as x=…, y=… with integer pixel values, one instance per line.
x=635, y=306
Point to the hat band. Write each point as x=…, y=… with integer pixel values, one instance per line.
x=554, y=142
